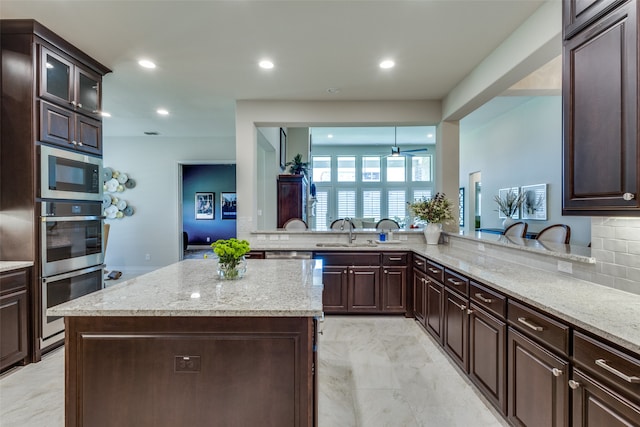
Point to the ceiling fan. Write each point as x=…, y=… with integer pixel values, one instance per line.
x=395, y=150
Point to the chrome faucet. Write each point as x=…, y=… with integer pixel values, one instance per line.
x=350, y=225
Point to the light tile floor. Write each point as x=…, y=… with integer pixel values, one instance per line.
x=374, y=371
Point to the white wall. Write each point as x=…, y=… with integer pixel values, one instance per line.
x=155, y=227
x=520, y=147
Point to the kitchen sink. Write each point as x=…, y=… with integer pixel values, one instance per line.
x=346, y=245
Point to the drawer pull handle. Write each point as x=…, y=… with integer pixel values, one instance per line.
x=455, y=282
x=574, y=384
x=460, y=306
x=530, y=325
x=556, y=372
x=434, y=270
x=397, y=258
x=630, y=379
x=483, y=299
x=418, y=263
x=628, y=196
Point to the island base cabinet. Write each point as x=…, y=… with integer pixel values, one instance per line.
x=595, y=405
x=335, y=292
x=162, y=371
x=537, y=385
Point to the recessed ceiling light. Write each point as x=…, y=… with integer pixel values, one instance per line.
x=105, y=114
x=429, y=135
x=146, y=63
x=330, y=136
x=266, y=64
x=162, y=112
x=387, y=63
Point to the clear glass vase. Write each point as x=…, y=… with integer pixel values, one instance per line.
x=232, y=270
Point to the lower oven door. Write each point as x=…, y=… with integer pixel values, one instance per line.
x=63, y=288
x=71, y=243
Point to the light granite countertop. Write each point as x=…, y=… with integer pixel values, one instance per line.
x=14, y=265
x=270, y=288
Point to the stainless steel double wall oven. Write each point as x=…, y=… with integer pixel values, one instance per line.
x=71, y=232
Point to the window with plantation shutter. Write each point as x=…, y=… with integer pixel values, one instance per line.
x=346, y=203
x=346, y=168
x=371, y=204
x=396, y=204
x=322, y=210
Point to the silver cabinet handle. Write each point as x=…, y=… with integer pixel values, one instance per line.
x=395, y=258
x=455, y=282
x=73, y=103
x=79, y=105
x=483, y=299
x=556, y=372
x=574, y=384
x=628, y=196
x=434, y=270
x=386, y=272
x=345, y=271
x=460, y=306
x=418, y=263
x=628, y=378
x=530, y=325
x=80, y=143
x=469, y=311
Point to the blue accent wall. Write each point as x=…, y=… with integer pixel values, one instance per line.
x=207, y=179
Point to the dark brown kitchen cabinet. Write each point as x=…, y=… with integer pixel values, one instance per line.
x=14, y=344
x=456, y=328
x=419, y=295
x=434, y=308
x=601, y=174
x=537, y=384
x=364, y=289
x=394, y=282
x=70, y=130
x=487, y=363
x=580, y=13
x=351, y=282
x=67, y=83
x=292, y=198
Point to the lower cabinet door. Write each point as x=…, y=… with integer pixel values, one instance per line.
x=456, y=328
x=434, y=306
x=538, y=384
x=13, y=329
x=335, y=292
x=394, y=287
x=364, y=289
x=487, y=367
x=595, y=405
x=419, y=295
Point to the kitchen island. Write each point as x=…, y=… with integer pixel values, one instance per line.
x=178, y=346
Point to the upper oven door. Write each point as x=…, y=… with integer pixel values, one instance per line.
x=68, y=175
x=72, y=235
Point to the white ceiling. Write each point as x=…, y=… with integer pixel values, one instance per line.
x=207, y=52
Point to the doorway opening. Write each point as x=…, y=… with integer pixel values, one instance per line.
x=475, y=201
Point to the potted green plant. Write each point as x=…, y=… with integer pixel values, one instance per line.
x=297, y=166
x=231, y=262
x=434, y=211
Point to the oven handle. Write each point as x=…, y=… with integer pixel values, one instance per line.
x=71, y=218
x=73, y=273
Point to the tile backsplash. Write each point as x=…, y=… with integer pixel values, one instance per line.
x=615, y=244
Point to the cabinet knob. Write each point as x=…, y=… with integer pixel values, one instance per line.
x=79, y=105
x=386, y=272
x=74, y=142
x=80, y=143
x=556, y=372
x=574, y=384
x=345, y=272
x=73, y=103
x=628, y=196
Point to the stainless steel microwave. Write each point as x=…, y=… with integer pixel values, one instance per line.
x=68, y=175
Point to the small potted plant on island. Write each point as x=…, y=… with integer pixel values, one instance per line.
x=508, y=205
x=434, y=212
x=231, y=262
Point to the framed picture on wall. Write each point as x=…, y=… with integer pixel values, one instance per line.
x=228, y=203
x=205, y=206
x=283, y=148
x=535, y=202
x=504, y=194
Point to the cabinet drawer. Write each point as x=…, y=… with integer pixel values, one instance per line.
x=13, y=281
x=420, y=263
x=349, y=258
x=615, y=367
x=435, y=271
x=456, y=282
x=488, y=299
x=394, y=259
x=539, y=326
